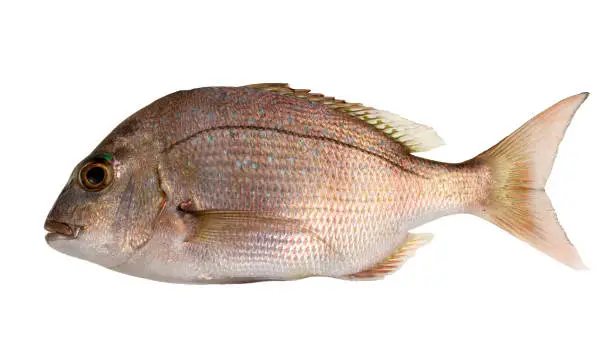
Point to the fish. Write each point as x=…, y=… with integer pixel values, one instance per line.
x=264, y=182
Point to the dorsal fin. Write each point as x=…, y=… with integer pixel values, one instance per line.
x=413, y=136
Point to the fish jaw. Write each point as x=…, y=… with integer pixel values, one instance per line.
x=77, y=240
x=61, y=230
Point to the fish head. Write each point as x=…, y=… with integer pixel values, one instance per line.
x=108, y=208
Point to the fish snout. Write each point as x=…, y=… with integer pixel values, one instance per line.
x=62, y=230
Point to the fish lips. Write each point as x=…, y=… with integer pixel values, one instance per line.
x=60, y=230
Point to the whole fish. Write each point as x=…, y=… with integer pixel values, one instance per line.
x=266, y=182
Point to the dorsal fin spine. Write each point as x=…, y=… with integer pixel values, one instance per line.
x=413, y=136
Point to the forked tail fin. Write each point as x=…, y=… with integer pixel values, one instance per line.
x=519, y=167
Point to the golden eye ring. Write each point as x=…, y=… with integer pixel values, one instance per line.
x=95, y=176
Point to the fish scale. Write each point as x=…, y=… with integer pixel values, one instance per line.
x=341, y=211
x=265, y=182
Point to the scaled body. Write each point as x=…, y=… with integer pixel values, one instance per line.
x=268, y=183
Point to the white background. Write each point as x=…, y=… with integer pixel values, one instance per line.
x=475, y=71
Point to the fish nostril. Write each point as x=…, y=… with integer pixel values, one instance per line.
x=58, y=227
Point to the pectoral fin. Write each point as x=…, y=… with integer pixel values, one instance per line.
x=392, y=263
x=241, y=226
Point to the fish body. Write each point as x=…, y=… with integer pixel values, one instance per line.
x=265, y=182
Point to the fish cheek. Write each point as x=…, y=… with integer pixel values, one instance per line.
x=140, y=205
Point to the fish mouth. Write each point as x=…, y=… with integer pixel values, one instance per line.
x=61, y=230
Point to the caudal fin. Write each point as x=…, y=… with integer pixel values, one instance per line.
x=519, y=167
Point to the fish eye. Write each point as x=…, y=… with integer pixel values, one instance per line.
x=95, y=176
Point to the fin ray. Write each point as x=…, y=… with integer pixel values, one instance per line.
x=413, y=136
x=215, y=225
x=519, y=166
x=392, y=263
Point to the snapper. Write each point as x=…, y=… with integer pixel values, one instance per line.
x=267, y=182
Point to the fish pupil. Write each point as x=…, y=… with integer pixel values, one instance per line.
x=95, y=175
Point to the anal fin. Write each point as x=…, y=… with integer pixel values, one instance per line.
x=392, y=263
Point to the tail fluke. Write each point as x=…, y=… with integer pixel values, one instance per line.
x=519, y=167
